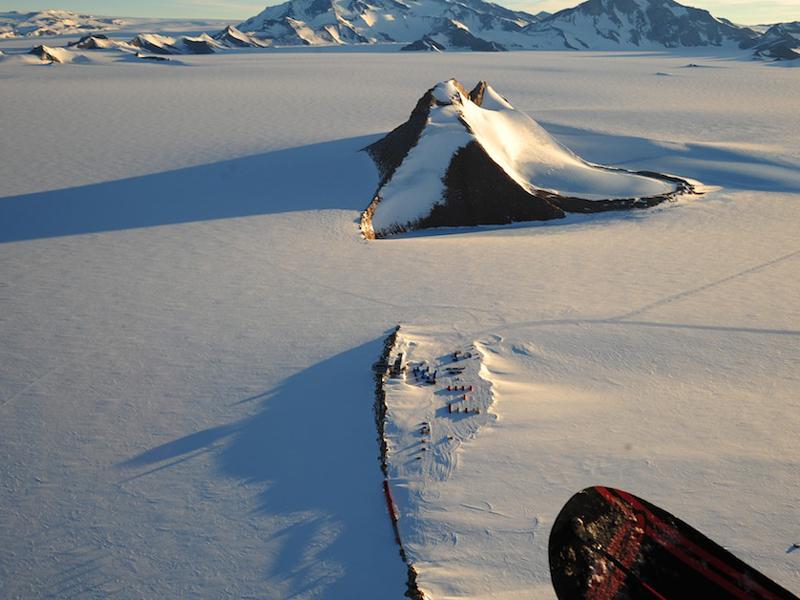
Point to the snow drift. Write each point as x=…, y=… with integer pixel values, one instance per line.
x=469, y=158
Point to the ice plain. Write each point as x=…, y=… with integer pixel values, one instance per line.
x=189, y=316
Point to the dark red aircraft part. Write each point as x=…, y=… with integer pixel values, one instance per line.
x=607, y=544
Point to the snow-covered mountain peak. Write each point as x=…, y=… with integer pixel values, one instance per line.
x=469, y=158
x=448, y=92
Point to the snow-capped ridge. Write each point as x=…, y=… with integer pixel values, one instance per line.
x=165, y=45
x=232, y=37
x=155, y=43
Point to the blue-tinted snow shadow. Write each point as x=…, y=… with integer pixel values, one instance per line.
x=709, y=164
x=329, y=175
x=311, y=448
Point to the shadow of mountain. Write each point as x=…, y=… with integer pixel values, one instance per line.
x=318, y=176
x=333, y=175
x=312, y=447
x=711, y=165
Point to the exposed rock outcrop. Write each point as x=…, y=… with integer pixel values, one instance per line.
x=50, y=54
x=97, y=41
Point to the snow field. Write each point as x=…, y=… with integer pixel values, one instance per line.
x=189, y=317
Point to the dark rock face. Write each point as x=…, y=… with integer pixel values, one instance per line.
x=198, y=46
x=479, y=192
x=389, y=151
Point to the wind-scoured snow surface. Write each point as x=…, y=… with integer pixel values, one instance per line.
x=189, y=316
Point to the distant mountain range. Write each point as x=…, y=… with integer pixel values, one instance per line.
x=437, y=25
x=52, y=22
x=595, y=24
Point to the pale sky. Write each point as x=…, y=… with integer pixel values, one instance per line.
x=749, y=12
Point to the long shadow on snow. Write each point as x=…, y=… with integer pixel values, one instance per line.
x=312, y=447
x=327, y=175
x=332, y=175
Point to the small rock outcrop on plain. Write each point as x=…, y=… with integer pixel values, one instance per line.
x=469, y=158
x=50, y=54
x=97, y=41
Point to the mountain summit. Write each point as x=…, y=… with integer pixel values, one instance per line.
x=470, y=158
